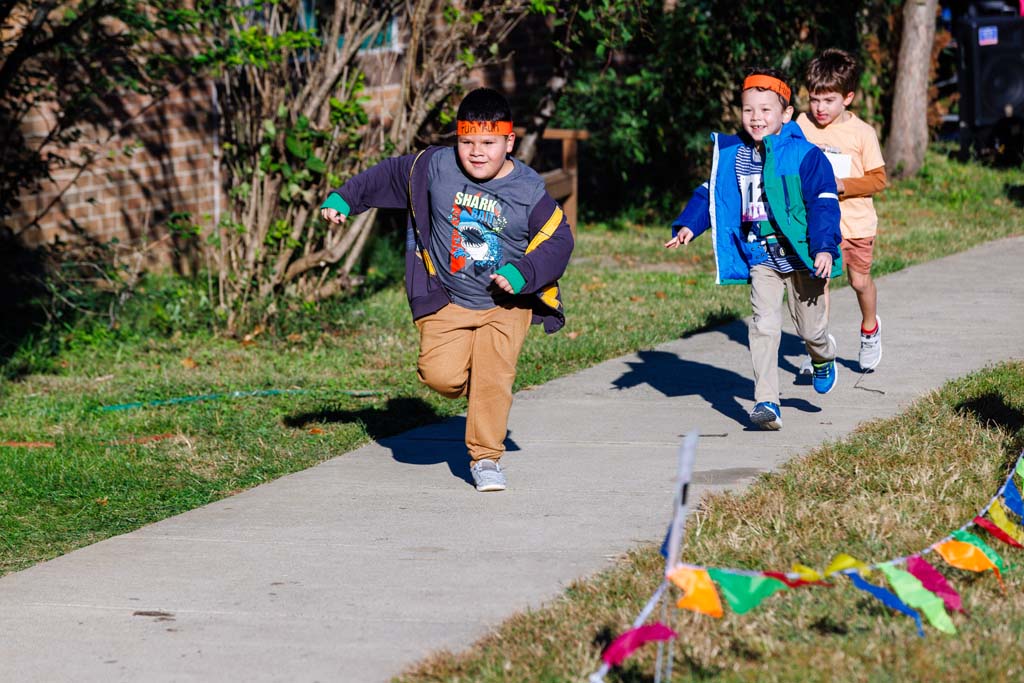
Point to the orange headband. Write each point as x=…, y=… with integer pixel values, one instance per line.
x=483, y=127
x=768, y=83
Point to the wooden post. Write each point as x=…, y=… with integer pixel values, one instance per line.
x=571, y=203
x=563, y=183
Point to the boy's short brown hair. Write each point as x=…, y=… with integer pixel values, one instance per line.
x=834, y=70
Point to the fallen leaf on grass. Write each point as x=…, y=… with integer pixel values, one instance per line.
x=251, y=337
x=102, y=501
x=636, y=299
x=188, y=363
x=294, y=337
x=572, y=335
x=316, y=430
x=661, y=295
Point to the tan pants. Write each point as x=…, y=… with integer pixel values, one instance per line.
x=462, y=352
x=808, y=306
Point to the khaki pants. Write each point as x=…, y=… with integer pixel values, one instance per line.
x=463, y=351
x=808, y=306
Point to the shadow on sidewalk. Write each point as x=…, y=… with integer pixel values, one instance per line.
x=431, y=441
x=723, y=389
x=443, y=442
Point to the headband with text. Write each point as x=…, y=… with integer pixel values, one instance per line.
x=768, y=83
x=483, y=127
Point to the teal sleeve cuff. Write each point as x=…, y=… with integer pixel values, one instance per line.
x=337, y=202
x=514, y=277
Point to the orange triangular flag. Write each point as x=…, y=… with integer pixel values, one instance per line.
x=699, y=592
x=966, y=556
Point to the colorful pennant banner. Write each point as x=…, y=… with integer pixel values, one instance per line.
x=915, y=583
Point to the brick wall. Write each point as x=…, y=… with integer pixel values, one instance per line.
x=154, y=159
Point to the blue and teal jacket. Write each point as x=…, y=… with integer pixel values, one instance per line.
x=803, y=205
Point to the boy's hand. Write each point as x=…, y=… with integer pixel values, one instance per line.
x=822, y=264
x=502, y=284
x=332, y=215
x=682, y=238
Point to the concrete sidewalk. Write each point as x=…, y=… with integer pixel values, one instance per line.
x=354, y=569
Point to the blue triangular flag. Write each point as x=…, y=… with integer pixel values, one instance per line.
x=1013, y=499
x=889, y=599
x=664, y=544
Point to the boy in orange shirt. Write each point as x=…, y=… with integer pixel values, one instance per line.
x=852, y=147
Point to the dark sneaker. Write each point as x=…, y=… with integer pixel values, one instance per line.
x=487, y=476
x=871, y=347
x=825, y=376
x=767, y=415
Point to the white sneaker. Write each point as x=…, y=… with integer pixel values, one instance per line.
x=487, y=476
x=871, y=348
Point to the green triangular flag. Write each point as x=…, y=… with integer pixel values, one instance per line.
x=744, y=592
x=968, y=537
x=911, y=591
x=1020, y=468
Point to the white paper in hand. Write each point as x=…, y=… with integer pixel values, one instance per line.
x=840, y=164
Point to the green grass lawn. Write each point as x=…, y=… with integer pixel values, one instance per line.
x=356, y=361
x=892, y=488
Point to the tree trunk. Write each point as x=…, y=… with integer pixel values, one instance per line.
x=908, y=134
x=539, y=121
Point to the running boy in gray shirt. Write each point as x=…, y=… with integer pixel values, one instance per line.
x=485, y=247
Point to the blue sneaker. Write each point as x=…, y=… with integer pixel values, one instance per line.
x=767, y=415
x=825, y=376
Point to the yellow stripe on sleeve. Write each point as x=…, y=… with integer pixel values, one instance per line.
x=550, y=296
x=546, y=231
x=427, y=262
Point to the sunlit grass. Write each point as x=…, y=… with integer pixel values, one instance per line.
x=356, y=361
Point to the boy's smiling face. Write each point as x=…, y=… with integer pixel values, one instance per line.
x=483, y=156
x=827, y=107
x=763, y=113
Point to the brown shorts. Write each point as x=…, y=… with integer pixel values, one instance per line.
x=858, y=253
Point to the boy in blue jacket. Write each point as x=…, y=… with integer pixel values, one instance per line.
x=773, y=211
x=485, y=246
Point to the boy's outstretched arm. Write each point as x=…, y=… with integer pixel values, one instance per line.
x=384, y=186
x=694, y=220
x=681, y=239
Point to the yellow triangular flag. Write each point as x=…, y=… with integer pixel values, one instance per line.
x=842, y=561
x=1002, y=520
x=806, y=573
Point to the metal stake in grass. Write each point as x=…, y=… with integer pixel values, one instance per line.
x=687, y=454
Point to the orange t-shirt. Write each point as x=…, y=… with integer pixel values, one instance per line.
x=857, y=139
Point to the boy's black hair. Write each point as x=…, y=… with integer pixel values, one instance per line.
x=834, y=70
x=484, y=104
x=774, y=73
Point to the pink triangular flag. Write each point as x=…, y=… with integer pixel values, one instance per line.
x=628, y=642
x=931, y=579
